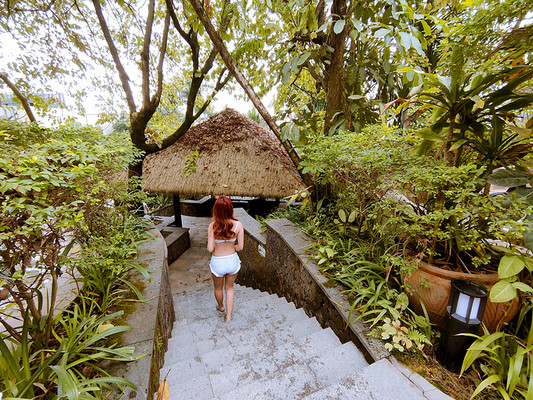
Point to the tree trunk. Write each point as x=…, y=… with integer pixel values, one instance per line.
x=241, y=79
x=335, y=75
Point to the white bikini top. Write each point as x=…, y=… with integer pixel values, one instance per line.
x=229, y=240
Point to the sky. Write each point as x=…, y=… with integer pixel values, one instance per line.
x=224, y=98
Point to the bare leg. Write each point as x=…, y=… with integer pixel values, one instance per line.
x=230, y=294
x=219, y=292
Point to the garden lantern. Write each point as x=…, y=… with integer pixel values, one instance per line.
x=463, y=315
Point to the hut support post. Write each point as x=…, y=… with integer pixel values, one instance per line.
x=177, y=211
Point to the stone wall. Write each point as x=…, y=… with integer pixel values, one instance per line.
x=287, y=271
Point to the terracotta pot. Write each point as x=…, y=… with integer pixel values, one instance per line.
x=432, y=285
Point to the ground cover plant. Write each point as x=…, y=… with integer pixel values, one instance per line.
x=63, y=211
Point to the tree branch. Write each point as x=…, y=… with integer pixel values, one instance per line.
x=176, y=22
x=41, y=9
x=20, y=96
x=12, y=331
x=236, y=72
x=145, y=53
x=157, y=96
x=219, y=85
x=191, y=38
x=124, y=79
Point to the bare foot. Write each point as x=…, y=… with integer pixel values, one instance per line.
x=228, y=319
x=221, y=310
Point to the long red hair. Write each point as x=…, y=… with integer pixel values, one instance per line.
x=222, y=218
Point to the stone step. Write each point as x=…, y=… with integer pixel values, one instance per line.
x=269, y=350
x=377, y=381
x=233, y=367
x=203, y=305
x=302, y=378
x=197, y=388
x=183, y=370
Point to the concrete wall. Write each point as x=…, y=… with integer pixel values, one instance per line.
x=286, y=270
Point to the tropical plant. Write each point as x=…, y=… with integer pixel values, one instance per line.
x=107, y=258
x=72, y=366
x=506, y=364
x=438, y=211
x=475, y=113
x=367, y=273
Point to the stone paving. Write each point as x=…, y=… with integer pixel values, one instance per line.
x=271, y=349
x=191, y=270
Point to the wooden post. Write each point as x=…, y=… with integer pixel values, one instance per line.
x=177, y=211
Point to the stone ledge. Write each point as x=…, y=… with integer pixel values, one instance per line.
x=151, y=322
x=178, y=241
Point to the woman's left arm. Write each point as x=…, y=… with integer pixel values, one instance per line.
x=240, y=238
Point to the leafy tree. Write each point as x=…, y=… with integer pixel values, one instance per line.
x=342, y=56
x=141, y=42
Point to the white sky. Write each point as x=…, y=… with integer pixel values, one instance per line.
x=224, y=98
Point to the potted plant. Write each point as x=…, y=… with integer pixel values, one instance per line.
x=455, y=228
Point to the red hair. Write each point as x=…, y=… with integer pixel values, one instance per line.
x=222, y=218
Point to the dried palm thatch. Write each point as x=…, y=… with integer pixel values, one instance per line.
x=236, y=157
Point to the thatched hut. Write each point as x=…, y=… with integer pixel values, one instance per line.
x=236, y=157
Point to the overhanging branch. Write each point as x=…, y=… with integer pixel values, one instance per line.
x=23, y=100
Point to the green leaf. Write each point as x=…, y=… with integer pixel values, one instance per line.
x=415, y=43
x=381, y=32
x=529, y=394
x=285, y=72
x=502, y=292
x=510, y=266
x=405, y=40
x=339, y=26
x=522, y=287
x=509, y=178
x=65, y=383
x=427, y=28
x=351, y=218
x=303, y=58
x=342, y=215
x=474, y=351
x=428, y=134
x=492, y=379
x=355, y=97
x=458, y=144
x=524, y=132
x=358, y=25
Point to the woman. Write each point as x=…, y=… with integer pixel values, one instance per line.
x=224, y=239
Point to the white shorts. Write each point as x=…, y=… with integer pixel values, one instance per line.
x=225, y=265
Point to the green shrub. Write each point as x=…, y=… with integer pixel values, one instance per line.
x=60, y=188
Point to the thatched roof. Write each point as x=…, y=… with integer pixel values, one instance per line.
x=236, y=157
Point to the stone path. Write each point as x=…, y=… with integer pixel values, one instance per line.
x=270, y=350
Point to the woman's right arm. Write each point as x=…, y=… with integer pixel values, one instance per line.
x=240, y=238
x=210, y=239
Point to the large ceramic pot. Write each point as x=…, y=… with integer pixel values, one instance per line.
x=432, y=285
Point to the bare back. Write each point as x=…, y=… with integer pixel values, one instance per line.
x=226, y=248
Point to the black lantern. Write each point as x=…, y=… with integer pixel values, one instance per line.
x=463, y=315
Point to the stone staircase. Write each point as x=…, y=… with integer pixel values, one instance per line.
x=271, y=350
